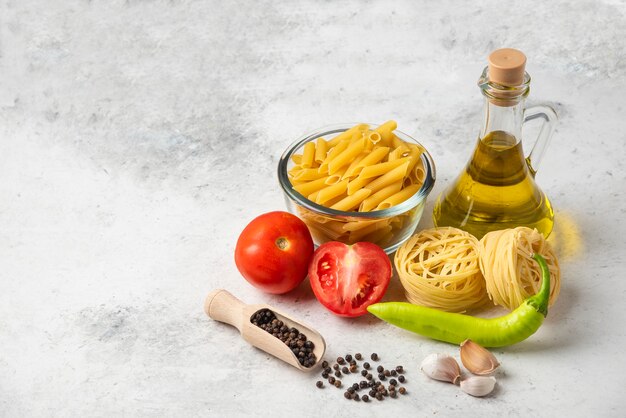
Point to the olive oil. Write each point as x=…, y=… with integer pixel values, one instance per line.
x=496, y=190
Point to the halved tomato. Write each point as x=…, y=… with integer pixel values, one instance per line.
x=346, y=279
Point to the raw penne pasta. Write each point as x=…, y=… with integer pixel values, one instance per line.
x=308, y=155
x=336, y=178
x=399, y=197
x=338, y=149
x=347, y=134
x=399, y=152
x=350, y=202
x=346, y=156
x=297, y=159
x=358, y=170
x=374, y=200
x=321, y=149
x=330, y=192
x=310, y=187
x=374, y=157
x=381, y=168
x=395, y=175
x=308, y=174
x=350, y=171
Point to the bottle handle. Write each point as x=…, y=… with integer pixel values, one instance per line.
x=550, y=118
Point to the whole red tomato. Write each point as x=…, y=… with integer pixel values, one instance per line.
x=346, y=279
x=273, y=252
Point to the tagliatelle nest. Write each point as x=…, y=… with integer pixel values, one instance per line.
x=439, y=268
x=510, y=272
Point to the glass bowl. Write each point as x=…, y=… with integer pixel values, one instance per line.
x=388, y=228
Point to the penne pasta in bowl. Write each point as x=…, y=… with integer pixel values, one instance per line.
x=357, y=182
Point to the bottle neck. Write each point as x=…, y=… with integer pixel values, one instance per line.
x=507, y=119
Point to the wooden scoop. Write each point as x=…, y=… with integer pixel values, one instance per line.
x=222, y=306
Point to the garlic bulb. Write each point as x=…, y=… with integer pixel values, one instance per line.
x=441, y=367
x=477, y=359
x=478, y=385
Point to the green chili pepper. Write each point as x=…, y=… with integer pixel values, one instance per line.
x=456, y=328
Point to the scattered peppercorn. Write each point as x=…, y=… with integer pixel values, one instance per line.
x=369, y=376
x=345, y=370
x=337, y=383
x=331, y=380
x=324, y=364
x=380, y=369
x=325, y=374
x=340, y=360
x=387, y=373
x=363, y=384
x=351, y=389
x=336, y=366
x=399, y=369
x=374, y=356
x=401, y=379
x=348, y=357
x=353, y=368
x=363, y=373
x=358, y=356
x=347, y=395
x=393, y=394
x=402, y=390
x=337, y=373
x=381, y=376
x=379, y=396
x=393, y=372
x=366, y=398
x=356, y=397
x=355, y=386
x=393, y=382
x=319, y=384
x=392, y=387
x=366, y=365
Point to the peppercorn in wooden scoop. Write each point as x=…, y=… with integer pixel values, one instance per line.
x=268, y=329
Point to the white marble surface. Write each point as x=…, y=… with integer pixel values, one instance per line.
x=137, y=138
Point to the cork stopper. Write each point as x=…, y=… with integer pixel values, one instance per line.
x=506, y=67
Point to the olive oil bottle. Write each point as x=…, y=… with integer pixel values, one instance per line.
x=497, y=188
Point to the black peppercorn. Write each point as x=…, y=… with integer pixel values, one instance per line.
x=379, y=396
x=337, y=384
x=353, y=368
x=393, y=372
x=340, y=360
x=402, y=390
x=387, y=373
x=351, y=389
x=324, y=364
x=348, y=357
x=380, y=369
x=399, y=369
x=337, y=373
x=345, y=370
x=363, y=373
x=369, y=376
x=365, y=398
x=347, y=395
x=392, y=387
x=374, y=356
x=381, y=376
x=372, y=393
x=393, y=394
x=401, y=379
x=336, y=366
x=356, y=397
x=319, y=384
x=393, y=382
x=358, y=356
x=325, y=375
x=355, y=386
x=366, y=365
x=362, y=384
x=331, y=380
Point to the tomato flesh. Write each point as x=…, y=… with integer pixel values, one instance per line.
x=273, y=252
x=347, y=279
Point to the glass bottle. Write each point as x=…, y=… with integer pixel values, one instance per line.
x=497, y=188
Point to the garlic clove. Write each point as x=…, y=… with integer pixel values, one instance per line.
x=478, y=359
x=441, y=367
x=478, y=385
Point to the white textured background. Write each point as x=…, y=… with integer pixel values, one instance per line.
x=137, y=138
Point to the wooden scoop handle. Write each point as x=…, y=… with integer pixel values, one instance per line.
x=222, y=306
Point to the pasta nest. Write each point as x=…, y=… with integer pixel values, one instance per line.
x=440, y=268
x=510, y=272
